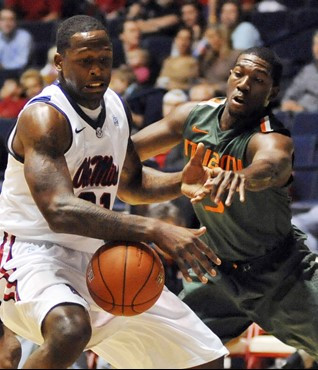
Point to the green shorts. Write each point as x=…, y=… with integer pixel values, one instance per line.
x=281, y=297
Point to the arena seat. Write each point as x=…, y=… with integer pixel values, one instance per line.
x=271, y=25
x=286, y=118
x=305, y=146
x=304, y=189
x=305, y=123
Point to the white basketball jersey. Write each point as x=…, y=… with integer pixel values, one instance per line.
x=95, y=159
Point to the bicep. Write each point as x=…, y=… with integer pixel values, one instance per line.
x=44, y=138
x=47, y=178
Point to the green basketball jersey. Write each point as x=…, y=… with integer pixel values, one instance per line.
x=243, y=230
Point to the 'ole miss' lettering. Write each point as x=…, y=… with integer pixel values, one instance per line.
x=96, y=171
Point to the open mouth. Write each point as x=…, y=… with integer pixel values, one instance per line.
x=239, y=99
x=95, y=86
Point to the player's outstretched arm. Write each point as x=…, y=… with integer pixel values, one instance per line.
x=270, y=158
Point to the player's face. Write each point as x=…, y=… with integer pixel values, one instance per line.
x=250, y=87
x=85, y=68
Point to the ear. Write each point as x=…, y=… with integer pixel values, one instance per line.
x=274, y=93
x=58, y=62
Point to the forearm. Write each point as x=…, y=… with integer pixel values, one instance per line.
x=154, y=186
x=73, y=215
x=263, y=174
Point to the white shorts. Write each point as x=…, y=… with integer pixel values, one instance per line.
x=39, y=277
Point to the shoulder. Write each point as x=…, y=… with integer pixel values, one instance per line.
x=214, y=102
x=271, y=124
x=310, y=69
x=22, y=33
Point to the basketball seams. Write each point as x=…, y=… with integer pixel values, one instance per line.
x=102, y=277
x=146, y=280
x=124, y=278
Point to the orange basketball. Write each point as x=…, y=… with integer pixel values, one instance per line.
x=125, y=278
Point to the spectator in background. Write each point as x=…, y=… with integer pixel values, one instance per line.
x=172, y=161
x=123, y=81
x=39, y=10
x=49, y=72
x=201, y=92
x=155, y=17
x=11, y=99
x=218, y=57
x=15, y=43
x=138, y=60
x=129, y=39
x=302, y=94
x=110, y=8
x=181, y=71
x=192, y=16
x=270, y=6
x=32, y=82
x=243, y=34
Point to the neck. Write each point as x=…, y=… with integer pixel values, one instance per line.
x=90, y=104
x=228, y=121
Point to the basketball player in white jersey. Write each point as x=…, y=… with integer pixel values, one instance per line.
x=70, y=147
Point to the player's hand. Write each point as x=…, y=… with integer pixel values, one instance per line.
x=195, y=175
x=199, y=181
x=221, y=182
x=184, y=246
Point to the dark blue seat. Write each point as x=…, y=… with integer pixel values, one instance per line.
x=271, y=25
x=305, y=123
x=305, y=147
x=286, y=118
x=304, y=189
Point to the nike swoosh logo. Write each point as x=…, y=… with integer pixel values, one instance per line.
x=77, y=131
x=195, y=129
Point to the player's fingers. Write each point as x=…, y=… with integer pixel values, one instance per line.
x=199, y=195
x=206, y=252
x=223, y=185
x=198, y=232
x=232, y=190
x=184, y=268
x=194, y=264
x=196, y=268
x=242, y=189
x=198, y=155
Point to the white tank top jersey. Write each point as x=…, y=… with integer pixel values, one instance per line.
x=95, y=159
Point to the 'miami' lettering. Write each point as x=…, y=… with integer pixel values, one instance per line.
x=212, y=159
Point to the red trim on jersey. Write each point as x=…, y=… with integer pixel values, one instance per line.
x=4, y=274
x=5, y=238
x=265, y=124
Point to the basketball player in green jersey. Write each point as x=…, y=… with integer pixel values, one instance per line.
x=267, y=275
